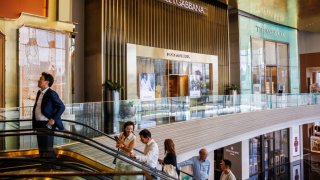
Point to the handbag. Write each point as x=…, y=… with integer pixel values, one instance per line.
x=170, y=170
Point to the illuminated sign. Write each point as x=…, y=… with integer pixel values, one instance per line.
x=188, y=5
x=269, y=31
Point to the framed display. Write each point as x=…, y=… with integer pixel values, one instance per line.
x=194, y=85
x=147, y=86
x=42, y=50
x=295, y=141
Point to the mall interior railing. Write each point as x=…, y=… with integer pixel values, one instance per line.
x=17, y=139
x=109, y=116
x=92, y=119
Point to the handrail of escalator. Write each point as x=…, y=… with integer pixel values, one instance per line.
x=104, y=134
x=86, y=140
x=79, y=171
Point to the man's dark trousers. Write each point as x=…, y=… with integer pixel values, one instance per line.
x=45, y=142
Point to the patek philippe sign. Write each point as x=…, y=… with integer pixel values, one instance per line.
x=188, y=5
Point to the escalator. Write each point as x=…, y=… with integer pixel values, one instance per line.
x=87, y=154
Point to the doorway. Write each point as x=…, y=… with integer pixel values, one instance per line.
x=2, y=43
x=178, y=85
x=271, y=80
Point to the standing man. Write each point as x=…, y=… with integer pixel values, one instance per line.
x=151, y=151
x=226, y=173
x=46, y=114
x=200, y=165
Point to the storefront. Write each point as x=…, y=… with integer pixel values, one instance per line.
x=269, y=154
x=267, y=58
x=167, y=25
x=160, y=73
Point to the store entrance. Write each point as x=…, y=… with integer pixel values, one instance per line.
x=178, y=85
x=1, y=70
x=271, y=80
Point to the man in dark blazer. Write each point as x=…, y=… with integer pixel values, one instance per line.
x=46, y=114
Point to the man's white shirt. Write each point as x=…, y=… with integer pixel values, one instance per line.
x=151, y=154
x=38, y=114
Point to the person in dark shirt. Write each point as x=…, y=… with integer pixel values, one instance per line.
x=171, y=157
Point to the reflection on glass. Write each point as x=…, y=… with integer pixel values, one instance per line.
x=273, y=75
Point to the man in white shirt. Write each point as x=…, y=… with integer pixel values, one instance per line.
x=226, y=172
x=46, y=114
x=151, y=150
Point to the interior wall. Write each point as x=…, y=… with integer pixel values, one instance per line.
x=149, y=23
x=93, y=51
x=307, y=60
x=78, y=15
x=2, y=40
x=308, y=42
x=13, y=8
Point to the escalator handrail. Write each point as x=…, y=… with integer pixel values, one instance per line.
x=80, y=138
x=87, y=126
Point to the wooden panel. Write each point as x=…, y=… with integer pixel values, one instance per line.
x=13, y=8
x=2, y=44
x=307, y=60
x=157, y=24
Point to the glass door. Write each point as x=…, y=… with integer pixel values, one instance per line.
x=271, y=80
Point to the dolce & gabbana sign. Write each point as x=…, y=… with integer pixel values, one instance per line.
x=188, y=5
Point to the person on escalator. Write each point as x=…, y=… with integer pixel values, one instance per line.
x=46, y=114
x=151, y=150
x=125, y=143
x=169, y=163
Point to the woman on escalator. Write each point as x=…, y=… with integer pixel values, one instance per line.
x=125, y=144
x=169, y=163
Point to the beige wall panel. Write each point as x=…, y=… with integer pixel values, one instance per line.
x=64, y=10
x=157, y=24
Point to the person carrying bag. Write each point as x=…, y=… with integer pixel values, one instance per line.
x=169, y=163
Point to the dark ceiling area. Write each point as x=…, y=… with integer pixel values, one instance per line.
x=300, y=14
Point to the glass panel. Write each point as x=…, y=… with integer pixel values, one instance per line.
x=271, y=80
x=283, y=80
x=282, y=54
x=155, y=71
x=285, y=145
x=258, y=80
x=270, y=51
x=257, y=52
x=254, y=156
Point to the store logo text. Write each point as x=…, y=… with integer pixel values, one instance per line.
x=187, y=5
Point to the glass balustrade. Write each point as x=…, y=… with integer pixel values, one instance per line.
x=109, y=116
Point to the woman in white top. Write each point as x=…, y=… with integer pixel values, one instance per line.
x=127, y=140
x=126, y=143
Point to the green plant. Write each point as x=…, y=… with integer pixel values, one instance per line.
x=234, y=87
x=113, y=86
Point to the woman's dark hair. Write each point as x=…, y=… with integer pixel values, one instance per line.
x=128, y=123
x=48, y=77
x=169, y=146
x=145, y=133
